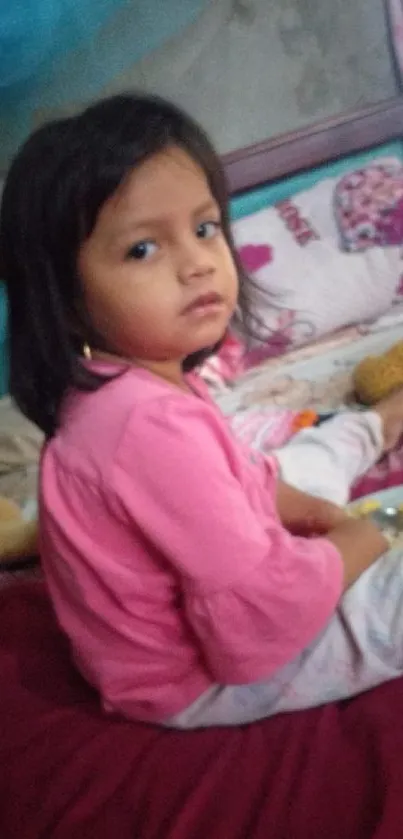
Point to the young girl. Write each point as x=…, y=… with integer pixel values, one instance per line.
x=196, y=585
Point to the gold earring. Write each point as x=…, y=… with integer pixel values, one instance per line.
x=87, y=352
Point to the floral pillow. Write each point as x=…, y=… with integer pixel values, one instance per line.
x=369, y=206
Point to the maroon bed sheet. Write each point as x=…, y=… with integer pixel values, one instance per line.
x=69, y=772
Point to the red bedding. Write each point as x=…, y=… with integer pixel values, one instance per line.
x=67, y=772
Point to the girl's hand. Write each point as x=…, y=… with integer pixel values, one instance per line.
x=305, y=515
x=358, y=541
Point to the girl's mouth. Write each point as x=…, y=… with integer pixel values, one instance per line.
x=205, y=304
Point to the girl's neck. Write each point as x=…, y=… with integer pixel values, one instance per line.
x=170, y=371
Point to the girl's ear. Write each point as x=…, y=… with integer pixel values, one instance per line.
x=82, y=331
x=76, y=325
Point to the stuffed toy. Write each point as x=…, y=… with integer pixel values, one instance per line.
x=18, y=537
x=377, y=376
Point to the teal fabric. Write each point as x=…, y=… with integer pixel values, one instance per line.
x=58, y=54
x=265, y=196
x=34, y=33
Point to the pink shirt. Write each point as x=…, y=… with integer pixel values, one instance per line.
x=167, y=564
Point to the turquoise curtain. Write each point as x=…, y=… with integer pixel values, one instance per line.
x=57, y=53
x=33, y=32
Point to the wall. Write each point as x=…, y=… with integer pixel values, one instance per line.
x=246, y=68
x=252, y=68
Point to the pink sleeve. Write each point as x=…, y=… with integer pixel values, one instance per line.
x=254, y=595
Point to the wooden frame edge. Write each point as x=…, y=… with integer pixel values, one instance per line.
x=316, y=144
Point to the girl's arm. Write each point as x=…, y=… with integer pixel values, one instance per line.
x=253, y=594
x=305, y=515
x=359, y=541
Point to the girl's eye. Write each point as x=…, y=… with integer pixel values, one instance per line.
x=208, y=229
x=143, y=250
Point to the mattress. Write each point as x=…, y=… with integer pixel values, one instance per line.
x=69, y=772
x=317, y=376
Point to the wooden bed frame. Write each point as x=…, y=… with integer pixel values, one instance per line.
x=305, y=148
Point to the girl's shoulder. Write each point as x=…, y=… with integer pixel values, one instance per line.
x=134, y=406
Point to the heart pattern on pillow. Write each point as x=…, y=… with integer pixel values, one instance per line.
x=254, y=257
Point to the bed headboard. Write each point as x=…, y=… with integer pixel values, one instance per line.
x=305, y=148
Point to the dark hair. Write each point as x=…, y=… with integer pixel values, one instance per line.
x=54, y=189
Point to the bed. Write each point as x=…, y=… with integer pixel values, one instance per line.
x=67, y=772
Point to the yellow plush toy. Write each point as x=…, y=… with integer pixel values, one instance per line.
x=18, y=538
x=377, y=376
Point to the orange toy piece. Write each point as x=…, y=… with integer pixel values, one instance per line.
x=305, y=419
x=377, y=376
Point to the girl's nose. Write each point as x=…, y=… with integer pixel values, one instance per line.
x=195, y=261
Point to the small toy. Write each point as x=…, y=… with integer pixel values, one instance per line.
x=377, y=376
x=308, y=419
x=304, y=419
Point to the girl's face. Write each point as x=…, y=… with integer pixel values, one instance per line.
x=159, y=279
